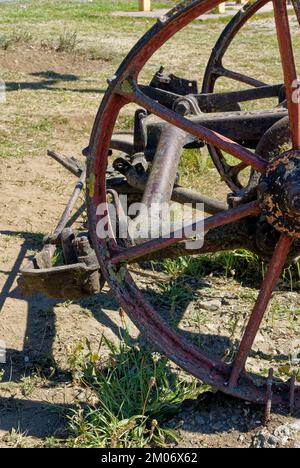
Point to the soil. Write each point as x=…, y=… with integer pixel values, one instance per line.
x=37, y=390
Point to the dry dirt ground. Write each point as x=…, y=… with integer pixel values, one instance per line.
x=36, y=389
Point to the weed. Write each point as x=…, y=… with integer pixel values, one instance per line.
x=15, y=439
x=53, y=442
x=291, y=275
x=67, y=42
x=44, y=125
x=173, y=294
x=58, y=258
x=27, y=385
x=136, y=390
x=5, y=42
x=240, y=264
x=100, y=54
x=15, y=38
x=225, y=264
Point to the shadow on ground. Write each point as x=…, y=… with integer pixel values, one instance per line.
x=208, y=415
x=50, y=81
x=34, y=418
x=41, y=328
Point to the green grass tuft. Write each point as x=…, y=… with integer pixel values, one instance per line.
x=136, y=390
x=8, y=41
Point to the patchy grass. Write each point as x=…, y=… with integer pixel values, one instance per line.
x=241, y=264
x=67, y=42
x=135, y=389
x=235, y=263
x=15, y=38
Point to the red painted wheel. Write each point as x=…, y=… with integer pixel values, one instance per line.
x=216, y=70
x=229, y=378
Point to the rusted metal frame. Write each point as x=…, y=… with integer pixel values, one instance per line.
x=240, y=125
x=136, y=185
x=183, y=195
x=289, y=68
x=214, y=100
x=237, y=235
x=237, y=76
x=155, y=245
x=275, y=268
x=123, y=142
x=204, y=134
x=53, y=238
x=71, y=164
x=97, y=194
x=269, y=397
x=160, y=183
x=292, y=394
x=147, y=320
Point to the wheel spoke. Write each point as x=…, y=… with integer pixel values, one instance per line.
x=155, y=245
x=199, y=131
x=289, y=68
x=237, y=76
x=268, y=286
x=235, y=170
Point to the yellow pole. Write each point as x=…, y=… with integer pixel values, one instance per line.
x=145, y=5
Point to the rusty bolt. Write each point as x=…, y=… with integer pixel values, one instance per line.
x=295, y=203
x=183, y=108
x=294, y=199
x=263, y=187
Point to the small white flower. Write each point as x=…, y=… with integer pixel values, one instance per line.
x=155, y=357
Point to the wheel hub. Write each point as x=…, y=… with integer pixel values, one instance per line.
x=280, y=193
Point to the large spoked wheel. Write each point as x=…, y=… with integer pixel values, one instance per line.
x=124, y=88
x=216, y=70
